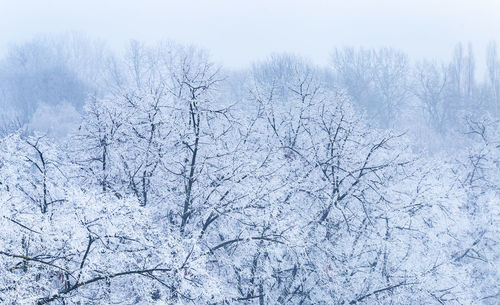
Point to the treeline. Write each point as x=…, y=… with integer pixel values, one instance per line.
x=185, y=184
x=436, y=96
x=430, y=99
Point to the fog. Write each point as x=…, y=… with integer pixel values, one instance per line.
x=238, y=32
x=227, y=152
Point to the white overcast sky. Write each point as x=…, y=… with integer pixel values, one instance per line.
x=238, y=32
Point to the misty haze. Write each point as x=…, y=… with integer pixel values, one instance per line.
x=198, y=152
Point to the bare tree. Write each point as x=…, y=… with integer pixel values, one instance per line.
x=430, y=87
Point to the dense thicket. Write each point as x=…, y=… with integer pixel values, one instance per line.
x=283, y=184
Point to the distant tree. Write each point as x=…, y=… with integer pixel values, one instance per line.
x=430, y=87
x=493, y=79
x=50, y=71
x=377, y=79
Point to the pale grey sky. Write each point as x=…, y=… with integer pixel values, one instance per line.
x=237, y=32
